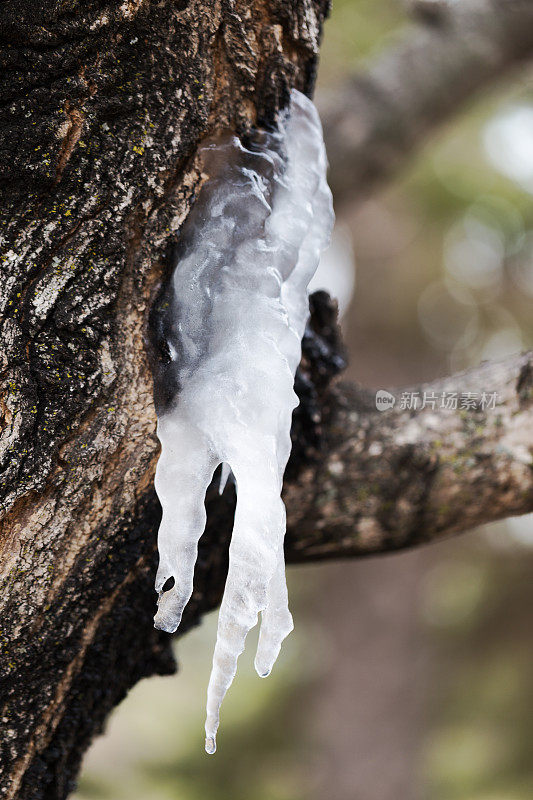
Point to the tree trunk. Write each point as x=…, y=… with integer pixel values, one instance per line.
x=102, y=109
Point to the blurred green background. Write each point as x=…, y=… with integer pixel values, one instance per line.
x=408, y=677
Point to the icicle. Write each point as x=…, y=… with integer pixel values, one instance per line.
x=235, y=313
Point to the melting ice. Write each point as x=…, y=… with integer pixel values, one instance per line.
x=235, y=312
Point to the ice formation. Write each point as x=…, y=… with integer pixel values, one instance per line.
x=235, y=312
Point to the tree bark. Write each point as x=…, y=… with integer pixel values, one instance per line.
x=399, y=478
x=102, y=107
x=101, y=112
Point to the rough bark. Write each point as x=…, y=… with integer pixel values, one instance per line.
x=395, y=479
x=102, y=107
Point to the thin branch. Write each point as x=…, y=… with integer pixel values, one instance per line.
x=374, y=120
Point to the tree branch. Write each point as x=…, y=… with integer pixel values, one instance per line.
x=395, y=479
x=375, y=120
